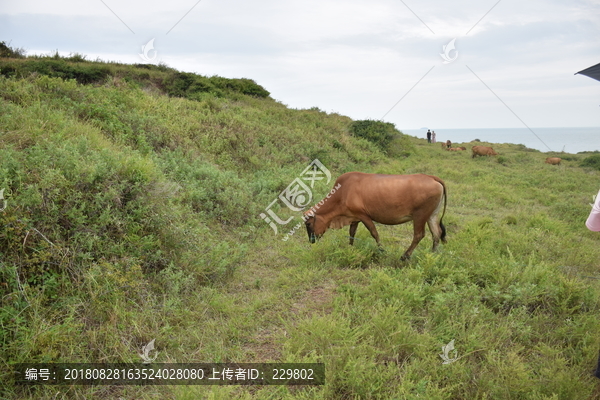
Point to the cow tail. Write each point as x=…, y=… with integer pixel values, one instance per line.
x=445, y=194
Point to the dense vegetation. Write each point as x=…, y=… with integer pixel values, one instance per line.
x=592, y=161
x=132, y=214
x=168, y=80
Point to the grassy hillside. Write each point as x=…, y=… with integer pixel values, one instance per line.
x=133, y=214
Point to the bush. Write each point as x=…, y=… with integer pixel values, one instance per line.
x=84, y=73
x=591, y=162
x=189, y=85
x=9, y=52
x=177, y=84
x=380, y=133
x=210, y=191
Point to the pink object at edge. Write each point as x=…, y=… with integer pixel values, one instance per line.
x=593, y=221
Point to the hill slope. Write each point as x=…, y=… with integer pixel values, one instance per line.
x=133, y=214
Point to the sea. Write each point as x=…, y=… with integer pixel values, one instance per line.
x=568, y=140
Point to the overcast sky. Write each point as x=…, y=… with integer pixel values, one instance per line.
x=513, y=63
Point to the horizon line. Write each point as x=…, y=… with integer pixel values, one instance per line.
x=538, y=127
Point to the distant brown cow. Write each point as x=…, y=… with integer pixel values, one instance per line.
x=462, y=148
x=448, y=144
x=483, y=151
x=387, y=199
x=457, y=148
x=553, y=160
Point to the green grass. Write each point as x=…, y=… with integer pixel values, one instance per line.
x=134, y=215
x=149, y=76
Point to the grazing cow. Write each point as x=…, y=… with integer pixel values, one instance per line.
x=387, y=199
x=483, y=151
x=553, y=160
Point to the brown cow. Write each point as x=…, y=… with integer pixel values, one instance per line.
x=483, y=151
x=553, y=160
x=462, y=148
x=448, y=144
x=457, y=148
x=444, y=147
x=387, y=199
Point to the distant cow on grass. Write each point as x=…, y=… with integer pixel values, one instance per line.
x=457, y=148
x=483, y=151
x=553, y=160
x=387, y=199
x=448, y=144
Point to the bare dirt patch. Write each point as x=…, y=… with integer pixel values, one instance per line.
x=316, y=300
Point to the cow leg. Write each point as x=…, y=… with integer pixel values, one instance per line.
x=419, y=233
x=353, y=227
x=371, y=227
x=436, y=231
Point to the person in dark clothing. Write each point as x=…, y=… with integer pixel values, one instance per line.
x=428, y=136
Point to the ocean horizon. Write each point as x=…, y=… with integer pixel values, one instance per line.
x=569, y=140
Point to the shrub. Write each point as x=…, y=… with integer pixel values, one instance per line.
x=189, y=85
x=76, y=57
x=243, y=85
x=9, y=52
x=591, y=162
x=210, y=191
x=568, y=157
x=522, y=147
x=174, y=83
x=82, y=72
x=380, y=133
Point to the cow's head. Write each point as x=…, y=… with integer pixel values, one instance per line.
x=313, y=226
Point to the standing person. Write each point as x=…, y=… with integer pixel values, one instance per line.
x=428, y=136
x=432, y=136
x=593, y=224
